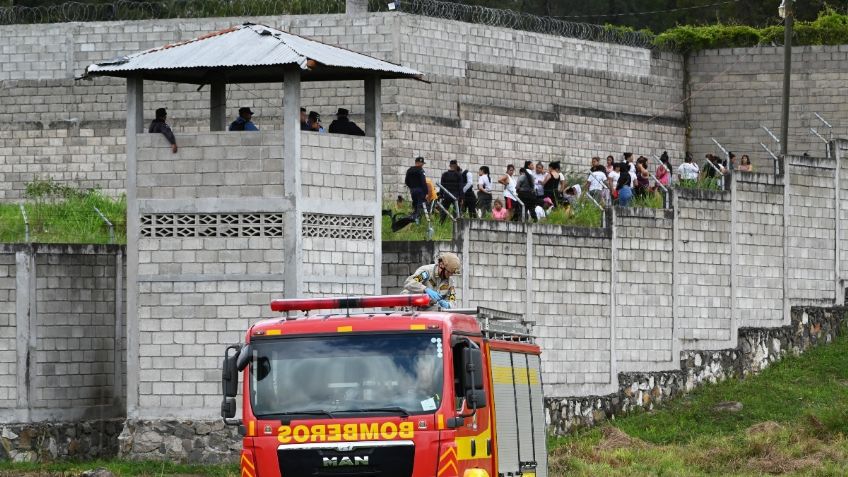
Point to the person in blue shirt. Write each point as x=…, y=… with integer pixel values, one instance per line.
x=244, y=121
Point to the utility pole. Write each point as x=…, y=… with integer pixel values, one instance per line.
x=787, y=11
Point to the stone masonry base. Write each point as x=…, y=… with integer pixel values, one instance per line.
x=42, y=441
x=756, y=349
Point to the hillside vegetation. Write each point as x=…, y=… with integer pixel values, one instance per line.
x=794, y=421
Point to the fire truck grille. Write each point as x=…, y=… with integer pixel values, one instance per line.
x=383, y=459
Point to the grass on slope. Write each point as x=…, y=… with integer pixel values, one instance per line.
x=794, y=422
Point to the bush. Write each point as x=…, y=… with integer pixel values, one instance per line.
x=830, y=28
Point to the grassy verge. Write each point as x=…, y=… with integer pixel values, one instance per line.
x=68, y=219
x=117, y=467
x=794, y=421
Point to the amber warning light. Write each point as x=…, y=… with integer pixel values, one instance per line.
x=382, y=301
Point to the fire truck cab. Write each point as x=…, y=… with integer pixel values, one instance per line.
x=387, y=393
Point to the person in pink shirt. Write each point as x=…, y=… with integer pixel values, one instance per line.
x=499, y=212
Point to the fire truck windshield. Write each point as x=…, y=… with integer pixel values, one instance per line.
x=349, y=373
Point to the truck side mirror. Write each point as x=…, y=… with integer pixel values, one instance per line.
x=472, y=365
x=229, y=381
x=245, y=355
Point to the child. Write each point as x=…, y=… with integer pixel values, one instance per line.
x=499, y=212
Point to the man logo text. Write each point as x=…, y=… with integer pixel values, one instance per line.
x=345, y=461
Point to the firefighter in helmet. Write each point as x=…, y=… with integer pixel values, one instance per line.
x=435, y=281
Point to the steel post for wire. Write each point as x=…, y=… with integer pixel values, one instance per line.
x=454, y=199
x=775, y=159
x=26, y=223
x=829, y=135
x=108, y=223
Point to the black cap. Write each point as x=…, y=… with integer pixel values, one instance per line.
x=313, y=115
x=302, y=110
x=419, y=159
x=245, y=110
x=161, y=113
x=342, y=112
x=453, y=162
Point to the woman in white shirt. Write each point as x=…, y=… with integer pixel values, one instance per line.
x=510, y=193
x=688, y=171
x=484, y=190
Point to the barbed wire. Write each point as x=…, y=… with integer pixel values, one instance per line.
x=145, y=10
x=524, y=21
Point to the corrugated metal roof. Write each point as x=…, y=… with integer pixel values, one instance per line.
x=240, y=53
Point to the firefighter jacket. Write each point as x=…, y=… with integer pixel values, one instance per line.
x=426, y=277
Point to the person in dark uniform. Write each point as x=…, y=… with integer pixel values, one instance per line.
x=343, y=125
x=416, y=180
x=159, y=125
x=452, y=182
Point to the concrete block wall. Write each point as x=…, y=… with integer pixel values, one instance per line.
x=337, y=168
x=74, y=355
x=704, y=261
x=504, y=260
x=644, y=282
x=570, y=293
x=8, y=331
x=840, y=149
x=759, y=250
x=812, y=230
x=211, y=165
x=736, y=90
x=63, y=323
x=196, y=295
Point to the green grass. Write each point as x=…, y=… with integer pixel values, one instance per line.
x=650, y=200
x=707, y=183
x=118, y=467
x=794, y=421
x=584, y=214
x=65, y=220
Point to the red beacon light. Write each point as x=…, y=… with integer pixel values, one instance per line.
x=381, y=301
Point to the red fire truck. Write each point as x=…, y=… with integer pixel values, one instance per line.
x=387, y=393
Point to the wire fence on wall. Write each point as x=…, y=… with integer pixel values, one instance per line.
x=144, y=10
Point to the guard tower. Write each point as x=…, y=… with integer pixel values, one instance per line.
x=231, y=219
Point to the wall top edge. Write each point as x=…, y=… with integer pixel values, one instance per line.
x=60, y=249
x=699, y=194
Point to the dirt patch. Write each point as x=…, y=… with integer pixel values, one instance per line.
x=767, y=427
x=777, y=463
x=614, y=439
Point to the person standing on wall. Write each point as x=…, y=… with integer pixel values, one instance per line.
x=526, y=187
x=244, y=122
x=484, y=190
x=469, y=199
x=159, y=125
x=452, y=183
x=343, y=125
x=416, y=181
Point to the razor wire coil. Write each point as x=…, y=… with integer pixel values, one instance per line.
x=146, y=10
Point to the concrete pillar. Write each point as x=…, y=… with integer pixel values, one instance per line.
x=218, y=107
x=356, y=6
x=528, y=273
x=117, y=375
x=374, y=128
x=836, y=151
x=612, y=301
x=25, y=318
x=293, y=240
x=734, y=260
x=135, y=125
x=787, y=305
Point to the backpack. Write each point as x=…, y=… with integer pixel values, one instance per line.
x=237, y=125
x=527, y=184
x=464, y=180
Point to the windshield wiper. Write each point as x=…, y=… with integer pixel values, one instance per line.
x=403, y=412
x=286, y=416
